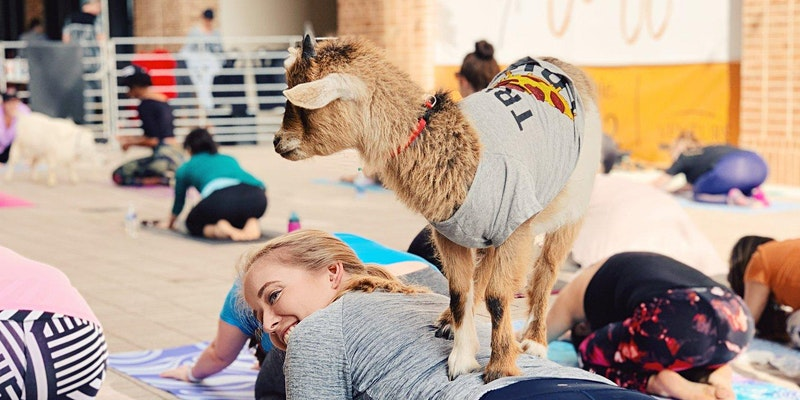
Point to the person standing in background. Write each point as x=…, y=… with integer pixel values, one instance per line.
x=35, y=31
x=84, y=28
x=202, y=54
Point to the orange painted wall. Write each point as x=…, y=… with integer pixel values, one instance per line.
x=645, y=107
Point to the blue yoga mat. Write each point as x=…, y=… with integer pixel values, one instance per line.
x=370, y=188
x=774, y=207
x=238, y=380
x=235, y=382
x=745, y=388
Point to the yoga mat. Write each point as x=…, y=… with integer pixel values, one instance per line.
x=11, y=201
x=184, y=234
x=370, y=188
x=746, y=388
x=155, y=191
x=235, y=382
x=774, y=207
x=772, y=358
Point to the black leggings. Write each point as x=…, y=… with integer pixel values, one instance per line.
x=562, y=389
x=235, y=204
x=423, y=246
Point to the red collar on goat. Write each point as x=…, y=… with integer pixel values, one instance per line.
x=421, y=124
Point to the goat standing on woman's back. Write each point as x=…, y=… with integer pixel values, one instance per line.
x=506, y=163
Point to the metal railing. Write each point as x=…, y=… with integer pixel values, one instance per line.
x=247, y=103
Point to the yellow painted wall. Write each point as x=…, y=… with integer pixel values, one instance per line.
x=645, y=107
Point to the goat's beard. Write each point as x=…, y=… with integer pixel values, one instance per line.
x=294, y=155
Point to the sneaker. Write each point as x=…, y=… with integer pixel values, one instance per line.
x=759, y=195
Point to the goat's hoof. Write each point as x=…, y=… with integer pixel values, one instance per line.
x=458, y=365
x=496, y=373
x=534, y=348
x=444, y=330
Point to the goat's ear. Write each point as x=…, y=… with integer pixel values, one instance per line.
x=308, y=47
x=317, y=94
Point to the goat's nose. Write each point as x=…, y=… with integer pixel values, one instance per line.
x=276, y=141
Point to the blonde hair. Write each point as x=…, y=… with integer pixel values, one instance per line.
x=315, y=250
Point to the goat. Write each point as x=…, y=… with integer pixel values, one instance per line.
x=343, y=94
x=59, y=142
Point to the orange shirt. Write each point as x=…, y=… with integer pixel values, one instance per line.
x=777, y=265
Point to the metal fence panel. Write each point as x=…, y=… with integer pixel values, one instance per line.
x=246, y=100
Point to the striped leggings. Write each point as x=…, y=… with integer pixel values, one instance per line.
x=50, y=356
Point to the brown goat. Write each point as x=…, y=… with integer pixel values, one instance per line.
x=343, y=94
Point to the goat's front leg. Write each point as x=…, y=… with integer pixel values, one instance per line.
x=554, y=251
x=507, y=265
x=35, y=169
x=13, y=159
x=459, y=267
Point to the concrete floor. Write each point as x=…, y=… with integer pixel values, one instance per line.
x=161, y=290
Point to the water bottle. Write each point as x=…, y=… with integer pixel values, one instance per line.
x=131, y=222
x=361, y=182
x=294, y=222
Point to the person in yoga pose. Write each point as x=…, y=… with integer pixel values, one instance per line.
x=51, y=343
x=766, y=273
x=155, y=113
x=653, y=324
x=717, y=173
x=310, y=293
x=233, y=199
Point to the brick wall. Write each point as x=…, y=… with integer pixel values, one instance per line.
x=770, y=89
x=402, y=27
x=168, y=17
x=34, y=8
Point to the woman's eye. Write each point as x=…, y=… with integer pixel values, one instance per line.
x=273, y=296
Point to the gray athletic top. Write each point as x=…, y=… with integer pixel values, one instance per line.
x=530, y=121
x=382, y=346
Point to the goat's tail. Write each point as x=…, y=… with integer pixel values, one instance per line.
x=583, y=82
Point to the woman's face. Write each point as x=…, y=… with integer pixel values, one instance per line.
x=282, y=295
x=10, y=108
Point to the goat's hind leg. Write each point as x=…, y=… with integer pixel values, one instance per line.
x=459, y=267
x=557, y=245
x=507, y=264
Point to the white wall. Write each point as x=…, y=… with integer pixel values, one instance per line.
x=592, y=32
x=276, y=17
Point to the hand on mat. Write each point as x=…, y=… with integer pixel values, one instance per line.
x=180, y=373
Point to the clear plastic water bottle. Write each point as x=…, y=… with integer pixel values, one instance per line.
x=131, y=222
x=361, y=182
x=294, y=222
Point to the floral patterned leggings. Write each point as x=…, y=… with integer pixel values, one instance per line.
x=690, y=331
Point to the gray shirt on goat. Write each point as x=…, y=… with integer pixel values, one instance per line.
x=530, y=121
x=382, y=346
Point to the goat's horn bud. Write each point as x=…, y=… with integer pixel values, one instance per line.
x=308, y=47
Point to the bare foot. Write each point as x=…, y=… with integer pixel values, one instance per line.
x=221, y=230
x=251, y=230
x=722, y=380
x=668, y=383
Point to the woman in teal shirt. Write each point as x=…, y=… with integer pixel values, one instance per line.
x=233, y=200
